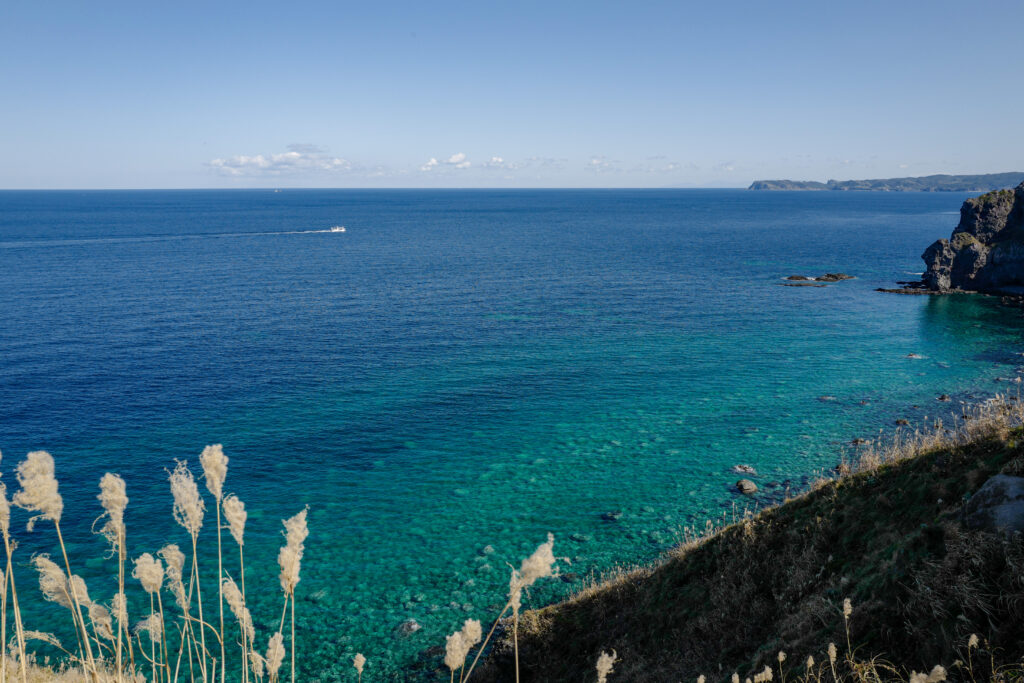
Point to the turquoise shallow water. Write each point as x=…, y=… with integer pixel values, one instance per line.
x=462, y=369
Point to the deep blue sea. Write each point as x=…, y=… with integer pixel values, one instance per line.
x=457, y=370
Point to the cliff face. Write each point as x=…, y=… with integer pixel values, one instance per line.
x=986, y=251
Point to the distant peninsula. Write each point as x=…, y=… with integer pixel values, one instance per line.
x=930, y=183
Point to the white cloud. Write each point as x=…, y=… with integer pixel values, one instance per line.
x=298, y=160
x=458, y=160
x=601, y=164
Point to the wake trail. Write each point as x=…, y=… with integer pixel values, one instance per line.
x=23, y=244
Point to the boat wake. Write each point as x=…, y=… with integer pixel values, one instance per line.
x=37, y=243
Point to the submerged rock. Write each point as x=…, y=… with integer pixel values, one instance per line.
x=744, y=469
x=998, y=505
x=746, y=486
x=408, y=627
x=834, y=277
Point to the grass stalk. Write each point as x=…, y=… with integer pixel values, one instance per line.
x=241, y=572
x=120, y=592
x=199, y=604
x=484, y=644
x=77, y=611
x=293, y=638
x=220, y=594
x=515, y=639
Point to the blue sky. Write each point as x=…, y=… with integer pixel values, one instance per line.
x=485, y=94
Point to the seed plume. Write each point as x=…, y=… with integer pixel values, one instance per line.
x=120, y=607
x=114, y=500
x=275, y=654
x=538, y=565
x=359, y=661
x=188, y=504
x=150, y=572
x=234, y=512
x=78, y=589
x=5, y=510
x=52, y=581
x=215, y=468
x=472, y=632
x=455, y=651
x=175, y=560
x=38, y=488
x=604, y=665
x=101, y=620
x=258, y=663
x=152, y=625
x=290, y=556
x=238, y=608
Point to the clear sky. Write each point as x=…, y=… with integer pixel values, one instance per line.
x=519, y=94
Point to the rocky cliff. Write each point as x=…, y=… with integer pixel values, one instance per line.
x=986, y=251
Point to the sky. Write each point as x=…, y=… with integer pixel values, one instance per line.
x=306, y=93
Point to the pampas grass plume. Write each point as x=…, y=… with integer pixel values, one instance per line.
x=290, y=556
x=538, y=565
x=153, y=625
x=77, y=588
x=455, y=651
x=234, y=511
x=175, y=560
x=114, y=499
x=5, y=510
x=52, y=581
x=215, y=468
x=188, y=504
x=238, y=608
x=275, y=654
x=38, y=488
x=119, y=605
x=150, y=572
x=604, y=664
x=101, y=621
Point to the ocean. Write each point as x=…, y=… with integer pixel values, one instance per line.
x=458, y=374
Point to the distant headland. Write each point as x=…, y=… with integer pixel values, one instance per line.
x=931, y=183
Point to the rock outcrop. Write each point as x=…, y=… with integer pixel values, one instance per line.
x=986, y=251
x=998, y=505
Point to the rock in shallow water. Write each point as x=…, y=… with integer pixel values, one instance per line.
x=746, y=486
x=408, y=627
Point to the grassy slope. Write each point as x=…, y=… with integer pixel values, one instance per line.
x=890, y=539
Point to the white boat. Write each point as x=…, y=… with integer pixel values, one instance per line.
x=338, y=228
